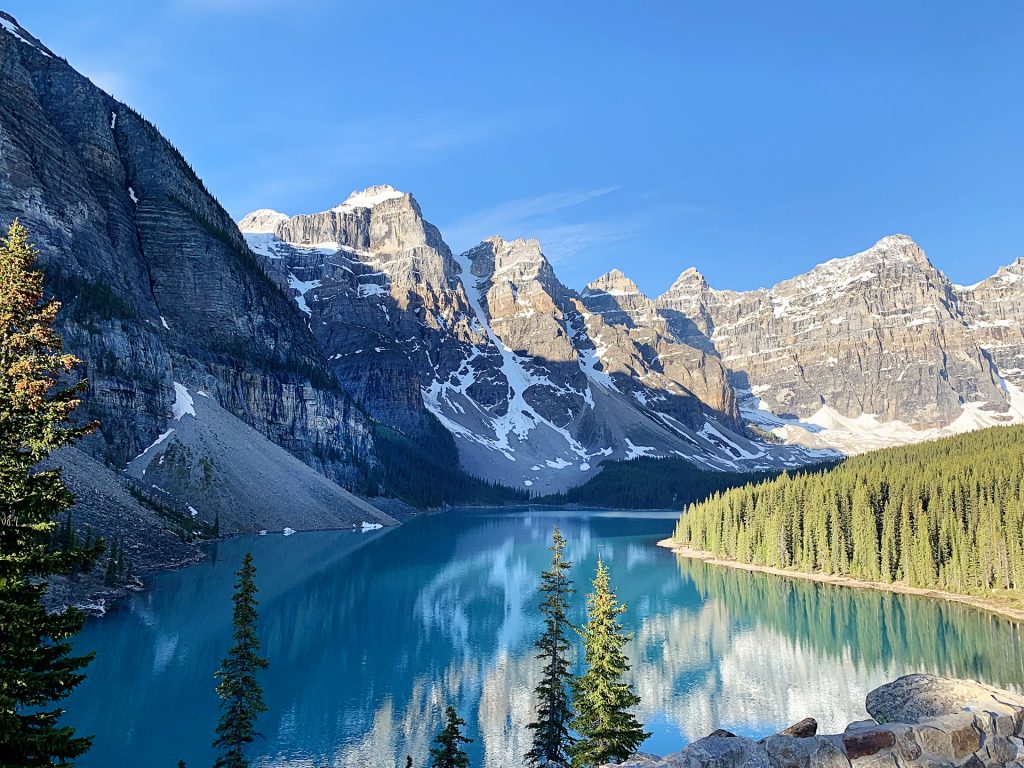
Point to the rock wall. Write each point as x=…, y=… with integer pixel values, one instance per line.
x=917, y=720
x=881, y=336
x=156, y=282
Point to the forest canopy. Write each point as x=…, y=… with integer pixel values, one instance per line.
x=946, y=514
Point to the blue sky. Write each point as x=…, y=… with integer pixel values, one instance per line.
x=749, y=139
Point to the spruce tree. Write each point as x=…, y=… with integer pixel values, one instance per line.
x=551, y=739
x=608, y=731
x=37, y=667
x=448, y=753
x=241, y=697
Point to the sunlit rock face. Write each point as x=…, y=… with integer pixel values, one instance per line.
x=661, y=365
x=994, y=311
x=537, y=386
x=873, y=349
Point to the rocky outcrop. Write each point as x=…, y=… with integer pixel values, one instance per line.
x=921, y=720
x=660, y=364
x=535, y=383
x=157, y=286
x=994, y=312
x=914, y=698
x=873, y=349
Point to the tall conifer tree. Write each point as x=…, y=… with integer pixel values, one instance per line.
x=551, y=739
x=449, y=753
x=608, y=731
x=37, y=667
x=241, y=697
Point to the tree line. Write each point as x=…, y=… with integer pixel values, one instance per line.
x=652, y=483
x=580, y=721
x=947, y=514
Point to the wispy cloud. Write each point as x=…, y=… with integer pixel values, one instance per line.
x=563, y=243
x=525, y=217
x=331, y=152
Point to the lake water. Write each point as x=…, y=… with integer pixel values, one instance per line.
x=370, y=635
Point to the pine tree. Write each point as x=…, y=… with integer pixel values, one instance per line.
x=608, y=731
x=551, y=739
x=37, y=668
x=241, y=696
x=448, y=753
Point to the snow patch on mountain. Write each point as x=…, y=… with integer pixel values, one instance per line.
x=183, y=403
x=368, y=198
x=262, y=221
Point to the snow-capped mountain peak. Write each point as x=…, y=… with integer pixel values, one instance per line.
x=262, y=221
x=368, y=198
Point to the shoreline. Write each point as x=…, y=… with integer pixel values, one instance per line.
x=981, y=603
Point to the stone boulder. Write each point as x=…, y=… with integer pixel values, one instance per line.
x=804, y=752
x=911, y=698
x=806, y=727
x=726, y=752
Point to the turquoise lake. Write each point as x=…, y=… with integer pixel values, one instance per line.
x=371, y=634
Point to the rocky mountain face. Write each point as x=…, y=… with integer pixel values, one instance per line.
x=159, y=289
x=354, y=338
x=537, y=383
x=994, y=311
x=872, y=349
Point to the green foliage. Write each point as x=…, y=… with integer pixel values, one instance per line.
x=119, y=567
x=649, y=483
x=180, y=522
x=449, y=753
x=948, y=514
x=424, y=471
x=608, y=731
x=241, y=697
x=37, y=668
x=88, y=301
x=551, y=738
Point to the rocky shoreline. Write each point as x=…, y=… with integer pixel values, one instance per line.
x=916, y=720
x=992, y=606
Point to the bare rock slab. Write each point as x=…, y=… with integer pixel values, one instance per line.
x=912, y=698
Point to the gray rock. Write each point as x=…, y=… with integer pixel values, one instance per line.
x=156, y=282
x=806, y=727
x=882, y=333
x=911, y=698
x=804, y=752
x=1001, y=749
x=727, y=752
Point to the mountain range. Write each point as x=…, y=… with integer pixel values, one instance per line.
x=349, y=354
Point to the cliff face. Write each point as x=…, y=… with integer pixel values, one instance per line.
x=156, y=281
x=380, y=291
x=873, y=348
x=994, y=312
x=317, y=328
x=535, y=383
x=681, y=375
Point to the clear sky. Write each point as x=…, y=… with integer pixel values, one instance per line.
x=749, y=139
